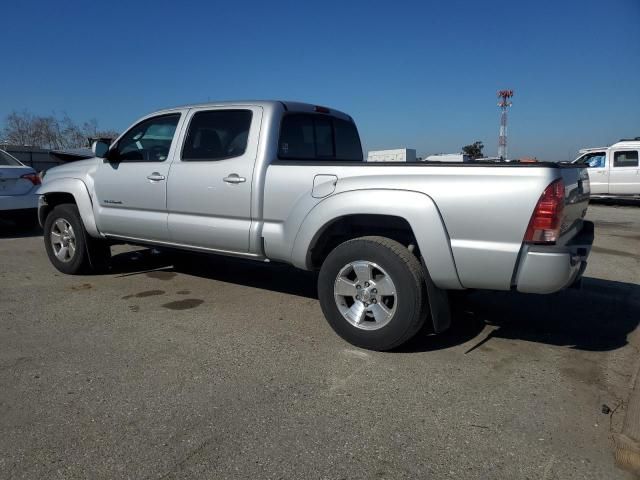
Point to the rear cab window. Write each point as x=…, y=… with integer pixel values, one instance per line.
x=318, y=137
x=626, y=158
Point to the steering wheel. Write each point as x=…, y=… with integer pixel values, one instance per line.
x=156, y=153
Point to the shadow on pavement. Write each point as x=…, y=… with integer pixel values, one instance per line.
x=269, y=276
x=622, y=202
x=9, y=229
x=597, y=318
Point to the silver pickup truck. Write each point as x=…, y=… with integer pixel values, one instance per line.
x=286, y=182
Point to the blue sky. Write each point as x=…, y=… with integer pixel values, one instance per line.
x=413, y=74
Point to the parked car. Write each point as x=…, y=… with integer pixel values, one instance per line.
x=286, y=181
x=18, y=187
x=614, y=170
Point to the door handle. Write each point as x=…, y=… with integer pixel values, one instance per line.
x=156, y=177
x=234, y=178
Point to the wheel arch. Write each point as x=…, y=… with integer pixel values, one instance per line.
x=67, y=190
x=410, y=214
x=355, y=225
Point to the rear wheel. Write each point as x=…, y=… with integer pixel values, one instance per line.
x=69, y=247
x=372, y=292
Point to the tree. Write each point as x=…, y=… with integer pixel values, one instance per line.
x=474, y=150
x=52, y=132
x=19, y=128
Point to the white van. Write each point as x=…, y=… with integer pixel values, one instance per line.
x=613, y=170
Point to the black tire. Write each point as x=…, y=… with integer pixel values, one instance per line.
x=411, y=296
x=91, y=255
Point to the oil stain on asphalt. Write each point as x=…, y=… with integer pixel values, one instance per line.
x=161, y=275
x=147, y=293
x=185, y=304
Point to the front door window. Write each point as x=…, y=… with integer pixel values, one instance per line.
x=148, y=141
x=593, y=160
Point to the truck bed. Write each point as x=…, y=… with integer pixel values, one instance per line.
x=485, y=207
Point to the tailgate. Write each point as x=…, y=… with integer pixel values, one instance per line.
x=576, y=200
x=11, y=183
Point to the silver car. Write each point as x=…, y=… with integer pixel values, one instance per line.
x=18, y=191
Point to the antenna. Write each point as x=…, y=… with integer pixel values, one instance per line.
x=503, y=103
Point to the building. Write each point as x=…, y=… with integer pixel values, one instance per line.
x=395, y=155
x=448, y=157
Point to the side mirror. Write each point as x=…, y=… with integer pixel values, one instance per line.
x=100, y=148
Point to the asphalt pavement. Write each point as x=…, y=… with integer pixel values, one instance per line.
x=219, y=368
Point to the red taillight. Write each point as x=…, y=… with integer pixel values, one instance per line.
x=547, y=217
x=320, y=109
x=32, y=177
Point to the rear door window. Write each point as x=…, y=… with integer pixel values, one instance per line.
x=217, y=135
x=628, y=158
x=318, y=137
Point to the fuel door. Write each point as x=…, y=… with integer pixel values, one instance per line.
x=323, y=185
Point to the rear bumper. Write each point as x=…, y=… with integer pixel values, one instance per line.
x=18, y=202
x=547, y=269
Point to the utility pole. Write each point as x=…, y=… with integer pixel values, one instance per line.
x=503, y=103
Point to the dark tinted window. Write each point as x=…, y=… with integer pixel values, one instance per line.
x=347, y=140
x=625, y=159
x=148, y=141
x=217, y=134
x=297, y=137
x=318, y=137
x=324, y=138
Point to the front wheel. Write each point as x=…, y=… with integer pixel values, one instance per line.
x=372, y=292
x=69, y=247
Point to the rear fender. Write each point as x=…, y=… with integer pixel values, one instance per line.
x=416, y=208
x=78, y=189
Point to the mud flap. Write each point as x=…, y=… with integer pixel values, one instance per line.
x=438, y=303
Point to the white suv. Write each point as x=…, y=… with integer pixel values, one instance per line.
x=18, y=186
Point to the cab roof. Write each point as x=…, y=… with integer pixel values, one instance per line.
x=288, y=105
x=621, y=144
x=627, y=144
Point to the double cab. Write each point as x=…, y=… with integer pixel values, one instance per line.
x=286, y=182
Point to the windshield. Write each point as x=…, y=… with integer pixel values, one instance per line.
x=8, y=160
